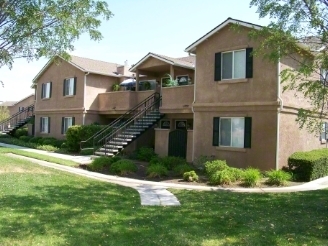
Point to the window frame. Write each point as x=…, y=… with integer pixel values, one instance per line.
x=220, y=133
x=46, y=90
x=233, y=61
x=43, y=125
x=69, y=83
x=64, y=124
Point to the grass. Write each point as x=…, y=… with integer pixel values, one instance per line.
x=42, y=206
x=37, y=156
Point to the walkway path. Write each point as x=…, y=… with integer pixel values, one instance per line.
x=155, y=193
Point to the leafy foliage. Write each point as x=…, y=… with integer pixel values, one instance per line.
x=217, y=165
x=99, y=163
x=190, y=176
x=298, y=32
x=179, y=170
x=251, y=177
x=310, y=165
x=278, y=177
x=123, y=167
x=21, y=132
x=145, y=154
x=199, y=162
x=47, y=148
x=44, y=28
x=4, y=112
x=156, y=170
x=171, y=161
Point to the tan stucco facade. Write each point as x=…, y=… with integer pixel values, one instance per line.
x=24, y=103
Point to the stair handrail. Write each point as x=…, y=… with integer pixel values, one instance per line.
x=16, y=114
x=136, y=116
x=123, y=116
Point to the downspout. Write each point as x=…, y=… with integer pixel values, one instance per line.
x=281, y=103
x=193, y=112
x=84, y=96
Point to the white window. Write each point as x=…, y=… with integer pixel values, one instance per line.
x=324, y=76
x=46, y=90
x=67, y=122
x=69, y=87
x=232, y=132
x=234, y=64
x=44, y=127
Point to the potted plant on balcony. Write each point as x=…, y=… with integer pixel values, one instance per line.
x=170, y=82
x=147, y=85
x=115, y=87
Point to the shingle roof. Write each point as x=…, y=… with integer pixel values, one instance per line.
x=187, y=62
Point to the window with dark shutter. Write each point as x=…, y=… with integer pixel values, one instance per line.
x=248, y=132
x=217, y=67
x=48, y=124
x=216, y=131
x=249, y=63
x=75, y=79
x=62, y=126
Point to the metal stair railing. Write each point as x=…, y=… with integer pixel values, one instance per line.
x=140, y=115
x=17, y=118
x=86, y=144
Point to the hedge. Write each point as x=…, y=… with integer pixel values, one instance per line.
x=310, y=165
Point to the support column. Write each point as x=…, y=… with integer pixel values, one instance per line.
x=137, y=80
x=172, y=71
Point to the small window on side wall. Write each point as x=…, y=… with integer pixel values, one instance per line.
x=46, y=90
x=69, y=87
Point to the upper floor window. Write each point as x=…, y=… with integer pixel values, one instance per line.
x=237, y=64
x=69, y=88
x=46, y=90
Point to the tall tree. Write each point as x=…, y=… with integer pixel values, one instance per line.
x=4, y=113
x=299, y=30
x=43, y=28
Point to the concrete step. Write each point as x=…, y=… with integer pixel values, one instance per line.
x=104, y=154
x=108, y=150
x=111, y=146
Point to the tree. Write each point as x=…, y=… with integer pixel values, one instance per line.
x=4, y=113
x=299, y=30
x=43, y=28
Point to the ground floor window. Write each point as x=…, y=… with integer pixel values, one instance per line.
x=44, y=124
x=66, y=123
x=232, y=132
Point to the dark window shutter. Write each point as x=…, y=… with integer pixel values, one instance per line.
x=249, y=63
x=73, y=121
x=40, y=124
x=64, y=87
x=48, y=124
x=62, y=127
x=50, y=84
x=217, y=67
x=42, y=91
x=216, y=131
x=75, y=79
x=248, y=132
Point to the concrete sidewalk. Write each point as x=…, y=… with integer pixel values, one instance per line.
x=155, y=193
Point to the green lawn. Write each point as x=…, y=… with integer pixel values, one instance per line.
x=40, y=206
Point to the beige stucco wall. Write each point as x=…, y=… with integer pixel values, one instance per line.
x=23, y=103
x=177, y=99
x=56, y=123
x=97, y=84
x=161, y=141
x=56, y=73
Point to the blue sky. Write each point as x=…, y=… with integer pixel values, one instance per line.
x=165, y=27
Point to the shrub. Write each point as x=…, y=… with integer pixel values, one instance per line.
x=251, y=177
x=77, y=133
x=63, y=145
x=35, y=139
x=4, y=135
x=49, y=141
x=145, y=154
x=190, y=176
x=25, y=138
x=86, y=152
x=20, y=132
x=156, y=170
x=199, y=162
x=58, y=143
x=217, y=165
x=171, y=161
x=237, y=173
x=310, y=165
x=278, y=177
x=123, y=167
x=99, y=163
x=47, y=148
x=181, y=169
x=225, y=176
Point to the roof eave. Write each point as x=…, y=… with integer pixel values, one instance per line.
x=133, y=69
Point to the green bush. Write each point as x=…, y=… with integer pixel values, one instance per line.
x=123, y=167
x=251, y=177
x=5, y=135
x=277, y=177
x=99, y=163
x=20, y=132
x=236, y=173
x=76, y=134
x=86, y=152
x=171, y=161
x=225, y=176
x=310, y=165
x=156, y=170
x=35, y=140
x=190, y=176
x=217, y=165
x=25, y=138
x=58, y=143
x=47, y=148
x=145, y=154
x=199, y=162
x=181, y=169
x=18, y=142
x=49, y=141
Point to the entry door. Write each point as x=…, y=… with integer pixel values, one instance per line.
x=178, y=143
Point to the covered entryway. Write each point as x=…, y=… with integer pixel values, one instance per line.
x=178, y=143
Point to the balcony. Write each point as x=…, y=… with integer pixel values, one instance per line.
x=177, y=99
x=118, y=102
